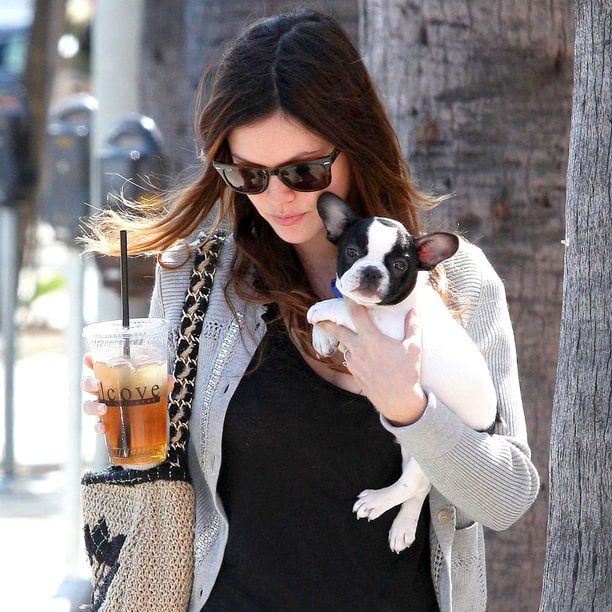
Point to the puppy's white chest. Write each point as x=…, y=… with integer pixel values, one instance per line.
x=390, y=321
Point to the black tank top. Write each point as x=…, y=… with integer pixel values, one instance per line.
x=296, y=452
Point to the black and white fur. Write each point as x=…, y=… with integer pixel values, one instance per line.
x=381, y=266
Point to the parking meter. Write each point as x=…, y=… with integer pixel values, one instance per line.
x=16, y=169
x=66, y=190
x=130, y=167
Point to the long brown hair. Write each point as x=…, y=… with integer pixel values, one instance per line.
x=304, y=65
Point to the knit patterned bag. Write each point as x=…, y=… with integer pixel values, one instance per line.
x=138, y=524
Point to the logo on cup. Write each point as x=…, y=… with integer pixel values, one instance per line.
x=129, y=397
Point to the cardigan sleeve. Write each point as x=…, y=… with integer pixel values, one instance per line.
x=156, y=307
x=169, y=293
x=490, y=478
x=171, y=282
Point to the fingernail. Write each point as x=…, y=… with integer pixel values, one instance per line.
x=98, y=427
x=101, y=408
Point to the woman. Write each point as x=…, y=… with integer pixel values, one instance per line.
x=282, y=441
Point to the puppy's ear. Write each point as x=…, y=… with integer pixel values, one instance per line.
x=336, y=215
x=433, y=248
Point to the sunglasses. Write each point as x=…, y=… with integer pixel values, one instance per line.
x=311, y=175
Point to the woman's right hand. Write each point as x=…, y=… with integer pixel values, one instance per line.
x=89, y=384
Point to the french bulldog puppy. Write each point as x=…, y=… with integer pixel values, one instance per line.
x=381, y=266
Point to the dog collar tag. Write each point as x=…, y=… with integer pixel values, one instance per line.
x=335, y=291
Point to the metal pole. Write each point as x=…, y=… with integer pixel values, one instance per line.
x=8, y=269
x=73, y=464
x=116, y=39
x=74, y=587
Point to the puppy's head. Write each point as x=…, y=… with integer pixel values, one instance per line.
x=378, y=260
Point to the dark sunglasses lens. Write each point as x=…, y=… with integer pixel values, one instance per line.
x=245, y=180
x=307, y=177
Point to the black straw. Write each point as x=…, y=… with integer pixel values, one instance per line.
x=125, y=306
x=124, y=434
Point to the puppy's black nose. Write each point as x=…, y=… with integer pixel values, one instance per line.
x=371, y=273
x=369, y=279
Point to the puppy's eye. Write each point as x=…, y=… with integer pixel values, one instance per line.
x=351, y=252
x=400, y=265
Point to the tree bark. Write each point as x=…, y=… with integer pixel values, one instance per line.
x=162, y=85
x=47, y=26
x=578, y=570
x=480, y=97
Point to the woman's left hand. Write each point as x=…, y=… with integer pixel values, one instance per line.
x=388, y=370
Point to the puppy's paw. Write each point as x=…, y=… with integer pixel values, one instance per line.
x=371, y=503
x=323, y=343
x=318, y=312
x=403, y=529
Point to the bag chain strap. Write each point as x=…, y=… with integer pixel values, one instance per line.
x=185, y=366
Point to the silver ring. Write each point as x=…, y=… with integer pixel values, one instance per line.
x=344, y=363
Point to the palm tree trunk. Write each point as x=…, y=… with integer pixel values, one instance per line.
x=480, y=96
x=578, y=570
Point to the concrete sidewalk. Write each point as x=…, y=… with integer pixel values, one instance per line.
x=33, y=530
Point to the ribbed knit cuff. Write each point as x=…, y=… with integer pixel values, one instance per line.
x=435, y=433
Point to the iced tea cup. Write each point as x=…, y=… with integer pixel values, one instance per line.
x=131, y=365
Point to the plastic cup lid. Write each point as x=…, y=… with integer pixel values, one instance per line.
x=115, y=329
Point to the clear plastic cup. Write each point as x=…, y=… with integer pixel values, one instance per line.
x=132, y=367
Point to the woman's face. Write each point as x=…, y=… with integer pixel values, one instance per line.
x=275, y=141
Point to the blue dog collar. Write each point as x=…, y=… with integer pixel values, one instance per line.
x=335, y=291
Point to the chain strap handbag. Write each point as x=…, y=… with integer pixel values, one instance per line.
x=138, y=524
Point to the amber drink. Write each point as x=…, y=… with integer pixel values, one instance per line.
x=131, y=367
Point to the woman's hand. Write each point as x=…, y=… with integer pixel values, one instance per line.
x=89, y=384
x=388, y=370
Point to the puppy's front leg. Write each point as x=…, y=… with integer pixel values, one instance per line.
x=333, y=310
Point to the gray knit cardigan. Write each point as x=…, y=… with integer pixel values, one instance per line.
x=478, y=479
